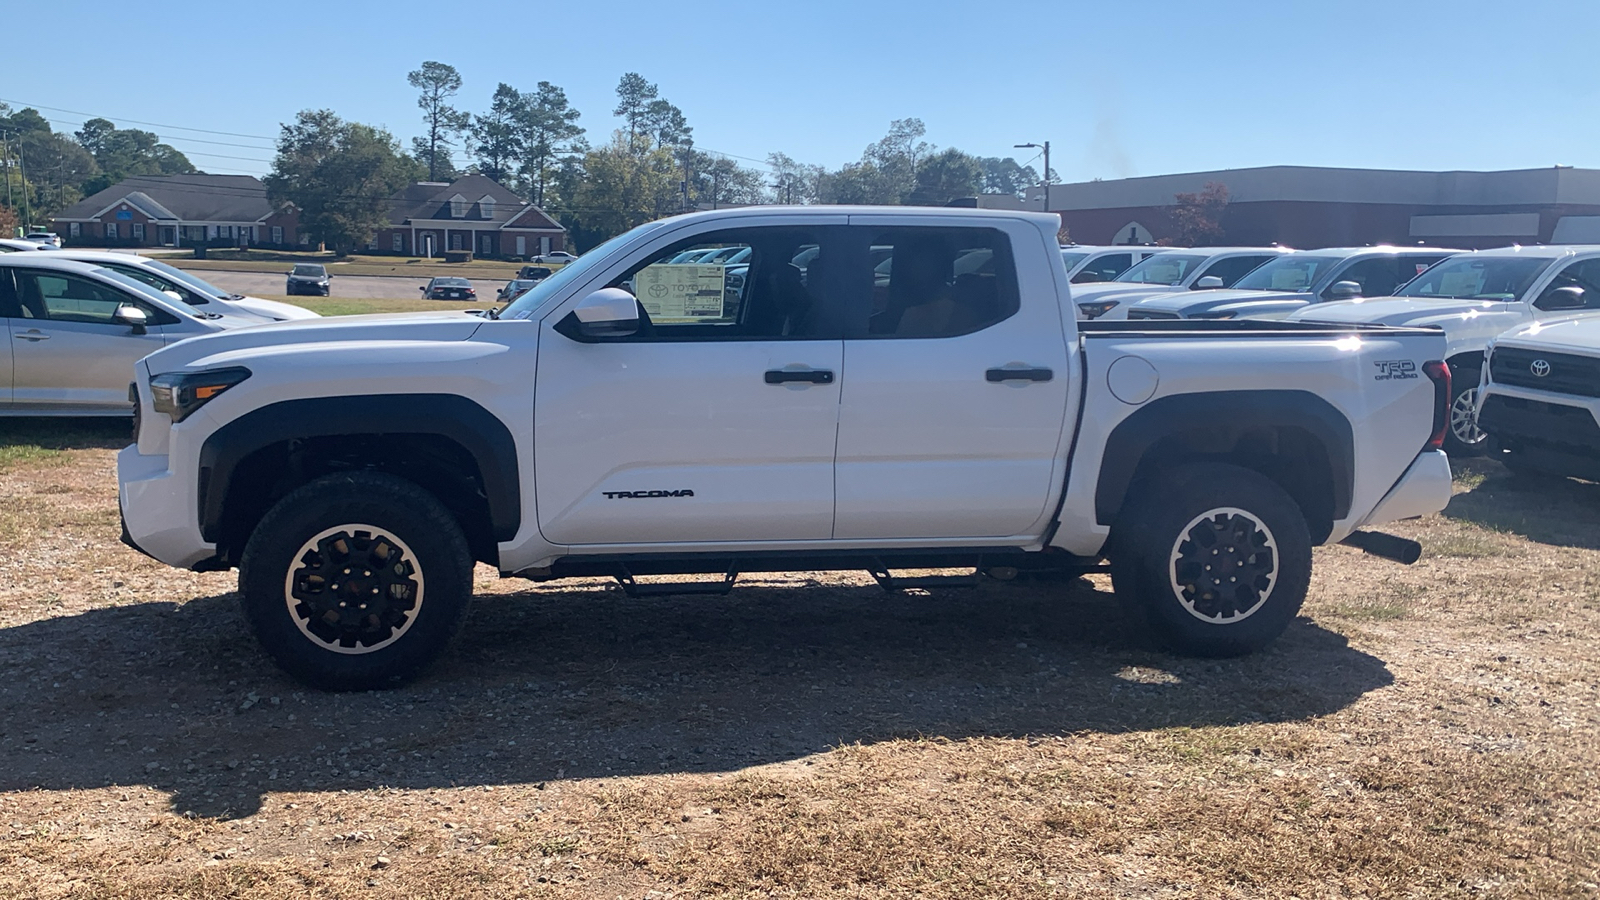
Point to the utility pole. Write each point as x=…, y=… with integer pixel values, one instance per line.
x=1046, y=147
x=27, y=208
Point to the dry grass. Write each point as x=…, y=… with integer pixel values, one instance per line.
x=1425, y=731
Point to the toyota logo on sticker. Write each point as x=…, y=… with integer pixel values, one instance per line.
x=1539, y=367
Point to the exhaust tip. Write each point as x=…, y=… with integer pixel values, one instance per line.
x=1399, y=549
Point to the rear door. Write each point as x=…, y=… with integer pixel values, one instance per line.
x=716, y=421
x=68, y=354
x=955, y=392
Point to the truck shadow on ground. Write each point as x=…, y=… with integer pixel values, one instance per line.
x=564, y=682
x=1558, y=511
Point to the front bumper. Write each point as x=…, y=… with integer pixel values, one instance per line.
x=1539, y=429
x=158, y=511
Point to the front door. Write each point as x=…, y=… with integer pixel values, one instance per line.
x=955, y=394
x=715, y=422
x=68, y=354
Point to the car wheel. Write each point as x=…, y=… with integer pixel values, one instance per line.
x=1464, y=437
x=356, y=581
x=1211, y=560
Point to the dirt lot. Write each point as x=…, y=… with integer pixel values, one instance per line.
x=1421, y=732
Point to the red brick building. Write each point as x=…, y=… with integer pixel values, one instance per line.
x=1308, y=207
x=471, y=213
x=179, y=211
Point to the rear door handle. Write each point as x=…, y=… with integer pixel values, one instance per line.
x=999, y=375
x=34, y=335
x=809, y=376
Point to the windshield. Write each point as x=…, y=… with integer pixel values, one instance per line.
x=1290, y=272
x=192, y=281
x=308, y=270
x=525, y=305
x=1162, y=268
x=1478, y=278
x=1072, y=259
x=143, y=291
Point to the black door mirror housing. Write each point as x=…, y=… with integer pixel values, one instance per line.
x=1565, y=297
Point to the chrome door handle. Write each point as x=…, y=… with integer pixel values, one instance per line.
x=34, y=335
x=810, y=376
x=999, y=375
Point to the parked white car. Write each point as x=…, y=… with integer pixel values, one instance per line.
x=1474, y=297
x=1539, y=400
x=1089, y=265
x=188, y=287
x=12, y=245
x=75, y=331
x=1196, y=269
x=44, y=237
x=1294, y=280
x=555, y=256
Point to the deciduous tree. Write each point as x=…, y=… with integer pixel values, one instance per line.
x=341, y=175
x=1197, y=217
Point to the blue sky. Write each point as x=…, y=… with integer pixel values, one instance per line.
x=1126, y=88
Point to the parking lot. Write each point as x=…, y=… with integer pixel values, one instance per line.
x=1423, y=731
x=355, y=287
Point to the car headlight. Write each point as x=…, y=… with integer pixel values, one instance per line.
x=1097, y=308
x=180, y=393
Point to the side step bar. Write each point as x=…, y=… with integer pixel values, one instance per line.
x=1399, y=549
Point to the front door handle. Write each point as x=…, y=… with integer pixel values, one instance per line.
x=33, y=335
x=809, y=376
x=999, y=375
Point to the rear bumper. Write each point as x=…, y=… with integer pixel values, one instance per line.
x=158, y=511
x=1424, y=489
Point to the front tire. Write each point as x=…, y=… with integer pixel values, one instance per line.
x=1211, y=560
x=356, y=581
x=1464, y=438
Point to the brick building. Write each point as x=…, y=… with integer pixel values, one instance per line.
x=179, y=211
x=1309, y=207
x=471, y=213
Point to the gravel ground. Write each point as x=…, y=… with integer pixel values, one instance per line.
x=1422, y=731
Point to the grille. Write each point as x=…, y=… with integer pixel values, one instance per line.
x=1571, y=429
x=1567, y=373
x=1150, y=314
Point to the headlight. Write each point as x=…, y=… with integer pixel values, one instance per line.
x=1097, y=308
x=180, y=393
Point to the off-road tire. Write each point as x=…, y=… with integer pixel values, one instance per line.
x=1463, y=393
x=414, y=552
x=1158, y=555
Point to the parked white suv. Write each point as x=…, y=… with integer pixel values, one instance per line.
x=354, y=469
x=1089, y=265
x=1540, y=398
x=1200, y=268
x=1473, y=297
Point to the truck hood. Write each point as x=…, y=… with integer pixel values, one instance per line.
x=429, y=327
x=1193, y=303
x=1103, y=289
x=1468, y=325
x=1579, y=334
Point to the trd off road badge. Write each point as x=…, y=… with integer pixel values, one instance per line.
x=1395, y=370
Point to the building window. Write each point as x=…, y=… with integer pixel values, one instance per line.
x=455, y=240
x=74, y=229
x=522, y=245
x=458, y=207
x=277, y=234
x=111, y=231
x=486, y=206
x=138, y=231
x=399, y=242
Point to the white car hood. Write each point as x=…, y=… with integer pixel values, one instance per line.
x=1468, y=325
x=1579, y=334
x=1191, y=303
x=275, y=310
x=1102, y=289
x=393, y=327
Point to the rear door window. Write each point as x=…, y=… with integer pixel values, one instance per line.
x=930, y=282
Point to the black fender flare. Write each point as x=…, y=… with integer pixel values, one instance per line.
x=451, y=416
x=1233, y=412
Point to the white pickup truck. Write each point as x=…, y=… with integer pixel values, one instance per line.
x=817, y=416
x=1473, y=297
x=1540, y=398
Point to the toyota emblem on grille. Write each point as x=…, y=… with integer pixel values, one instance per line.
x=1539, y=367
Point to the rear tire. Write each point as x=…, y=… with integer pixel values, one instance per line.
x=1211, y=560
x=1463, y=437
x=356, y=581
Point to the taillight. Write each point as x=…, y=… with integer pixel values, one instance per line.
x=1439, y=373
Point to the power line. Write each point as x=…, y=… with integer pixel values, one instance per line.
x=75, y=112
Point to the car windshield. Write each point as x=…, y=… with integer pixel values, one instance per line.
x=144, y=291
x=306, y=269
x=206, y=289
x=1290, y=272
x=525, y=305
x=1478, y=278
x=1162, y=268
x=1072, y=259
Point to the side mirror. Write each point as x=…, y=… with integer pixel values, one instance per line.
x=1208, y=282
x=174, y=295
x=608, y=312
x=424, y=289
x=1562, y=298
x=1344, y=290
x=133, y=317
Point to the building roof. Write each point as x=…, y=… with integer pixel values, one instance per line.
x=1558, y=184
x=430, y=200
x=182, y=198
